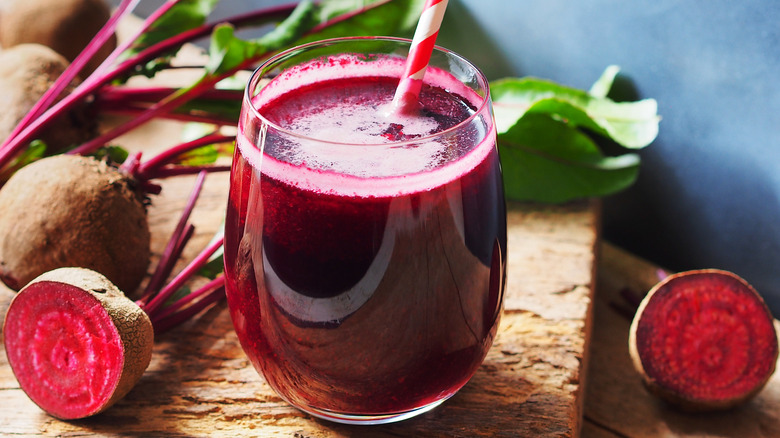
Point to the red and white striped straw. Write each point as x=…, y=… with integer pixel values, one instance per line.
x=424, y=39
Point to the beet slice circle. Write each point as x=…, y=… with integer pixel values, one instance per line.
x=704, y=340
x=75, y=350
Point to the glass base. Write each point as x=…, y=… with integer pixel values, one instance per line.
x=370, y=419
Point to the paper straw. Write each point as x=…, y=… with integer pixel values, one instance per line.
x=425, y=34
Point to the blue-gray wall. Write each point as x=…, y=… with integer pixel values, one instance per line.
x=708, y=194
x=709, y=191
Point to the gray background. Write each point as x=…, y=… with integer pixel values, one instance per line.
x=708, y=194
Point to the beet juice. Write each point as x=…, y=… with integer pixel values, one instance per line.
x=365, y=252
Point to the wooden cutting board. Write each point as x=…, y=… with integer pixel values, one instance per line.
x=199, y=382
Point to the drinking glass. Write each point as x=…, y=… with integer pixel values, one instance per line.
x=365, y=249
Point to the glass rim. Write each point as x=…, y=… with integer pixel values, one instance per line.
x=256, y=76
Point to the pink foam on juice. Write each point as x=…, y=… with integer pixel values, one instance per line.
x=340, y=145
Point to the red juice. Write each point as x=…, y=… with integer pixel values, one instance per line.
x=361, y=288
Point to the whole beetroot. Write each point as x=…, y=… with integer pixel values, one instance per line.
x=66, y=26
x=69, y=210
x=26, y=72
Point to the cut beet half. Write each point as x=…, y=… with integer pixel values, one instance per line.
x=75, y=343
x=704, y=340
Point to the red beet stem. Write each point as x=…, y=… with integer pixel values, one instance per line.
x=190, y=297
x=167, y=261
x=179, y=97
x=185, y=314
x=189, y=305
x=117, y=96
x=15, y=143
x=132, y=101
x=128, y=43
x=171, y=171
x=178, y=116
x=166, y=104
x=130, y=165
x=154, y=298
x=196, y=264
x=148, y=169
x=166, y=268
x=174, y=246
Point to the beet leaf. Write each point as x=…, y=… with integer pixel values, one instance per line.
x=549, y=137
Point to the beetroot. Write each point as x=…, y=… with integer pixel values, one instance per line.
x=75, y=343
x=69, y=210
x=66, y=26
x=704, y=340
x=26, y=73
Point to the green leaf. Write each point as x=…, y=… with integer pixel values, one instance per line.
x=203, y=155
x=630, y=124
x=548, y=160
x=116, y=154
x=223, y=108
x=181, y=17
x=227, y=51
x=36, y=150
x=210, y=270
x=378, y=17
x=177, y=295
x=215, y=265
x=604, y=83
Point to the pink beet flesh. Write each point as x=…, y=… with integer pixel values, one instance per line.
x=708, y=337
x=63, y=348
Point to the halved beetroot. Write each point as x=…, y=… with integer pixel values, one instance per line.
x=75, y=343
x=704, y=340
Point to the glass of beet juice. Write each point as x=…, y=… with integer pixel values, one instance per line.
x=365, y=251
